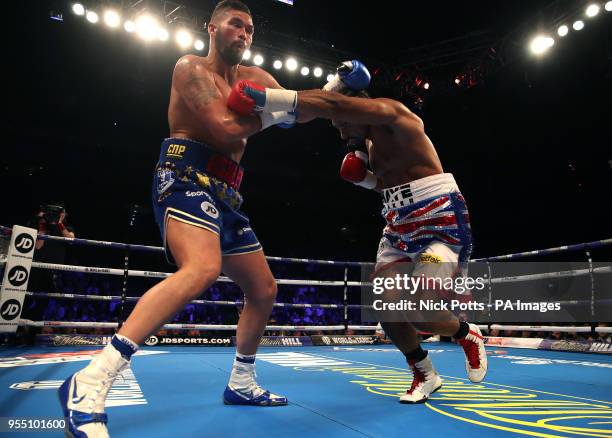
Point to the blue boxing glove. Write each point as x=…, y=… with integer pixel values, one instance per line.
x=352, y=75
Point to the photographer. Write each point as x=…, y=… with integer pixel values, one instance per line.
x=50, y=219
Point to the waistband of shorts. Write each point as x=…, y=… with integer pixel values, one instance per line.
x=185, y=153
x=419, y=190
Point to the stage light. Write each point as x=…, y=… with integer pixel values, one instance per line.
x=578, y=25
x=330, y=77
x=426, y=85
x=184, y=38
x=78, y=9
x=318, y=72
x=146, y=27
x=592, y=10
x=291, y=64
x=162, y=34
x=608, y=6
x=278, y=64
x=540, y=44
x=111, y=18
x=563, y=30
x=129, y=26
x=258, y=59
x=246, y=55
x=199, y=45
x=92, y=17
x=305, y=71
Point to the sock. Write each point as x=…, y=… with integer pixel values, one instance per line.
x=124, y=346
x=114, y=358
x=243, y=373
x=416, y=355
x=464, y=329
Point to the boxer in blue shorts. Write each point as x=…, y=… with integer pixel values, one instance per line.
x=196, y=202
x=426, y=215
x=207, y=198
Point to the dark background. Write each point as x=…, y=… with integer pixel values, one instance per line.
x=529, y=145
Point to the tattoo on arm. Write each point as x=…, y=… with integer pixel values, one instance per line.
x=200, y=90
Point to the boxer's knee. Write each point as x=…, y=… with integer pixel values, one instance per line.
x=197, y=278
x=262, y=292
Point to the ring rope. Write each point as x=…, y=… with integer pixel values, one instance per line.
x=138, y=273
x=71, y=296
x=91, y=324
x=78, y=241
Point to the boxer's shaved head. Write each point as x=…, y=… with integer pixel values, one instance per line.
x=228, y=5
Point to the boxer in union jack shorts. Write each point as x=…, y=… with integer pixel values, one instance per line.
x=427, y=218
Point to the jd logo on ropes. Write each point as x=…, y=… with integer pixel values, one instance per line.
x=24, y=243
x=10, y=309
x=17, y=276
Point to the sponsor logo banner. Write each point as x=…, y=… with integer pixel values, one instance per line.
x=188, y=340
x=343, y=340
x=59, y=340
x=16, y=275
x=282, y=341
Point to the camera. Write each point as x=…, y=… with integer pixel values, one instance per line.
x=52, y=212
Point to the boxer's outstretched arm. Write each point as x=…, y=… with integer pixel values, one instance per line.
x=196, y=86
x=360, y=111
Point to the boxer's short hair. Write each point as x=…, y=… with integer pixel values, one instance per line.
x=353, y=93
x=227, y=5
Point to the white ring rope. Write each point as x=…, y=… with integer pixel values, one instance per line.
x=153, y=274
x=91, y=324
x=70, y=296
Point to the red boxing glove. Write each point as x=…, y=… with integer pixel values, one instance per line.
x=353, y=168
x=245, y=97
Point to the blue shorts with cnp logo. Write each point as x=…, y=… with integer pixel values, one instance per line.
x=182, y=192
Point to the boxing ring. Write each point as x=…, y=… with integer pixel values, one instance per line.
x=333, y=389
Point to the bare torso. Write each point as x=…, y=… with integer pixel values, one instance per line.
x=184, y=123
x=398, y=158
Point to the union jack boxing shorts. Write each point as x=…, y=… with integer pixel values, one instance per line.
x=427, y=224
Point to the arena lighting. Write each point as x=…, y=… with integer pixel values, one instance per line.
x=184, y=38
x=111, y=18
x=258, y=59
x=146, y=27
x=162, y=34
x=92, y=17
x=198, y=45
x=330, y=77
x=246, y=55
x=129, y=26
x=578, y=25
x=278, y=64
x=592, y=10
x=78, y=9
x=291, y=64
x=608, y=6
x=305, y=71
x=318, y=72
x=563, y=30
x=540, y=44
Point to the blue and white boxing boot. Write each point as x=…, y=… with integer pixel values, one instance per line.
x=242, y=388
x=83, y=395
